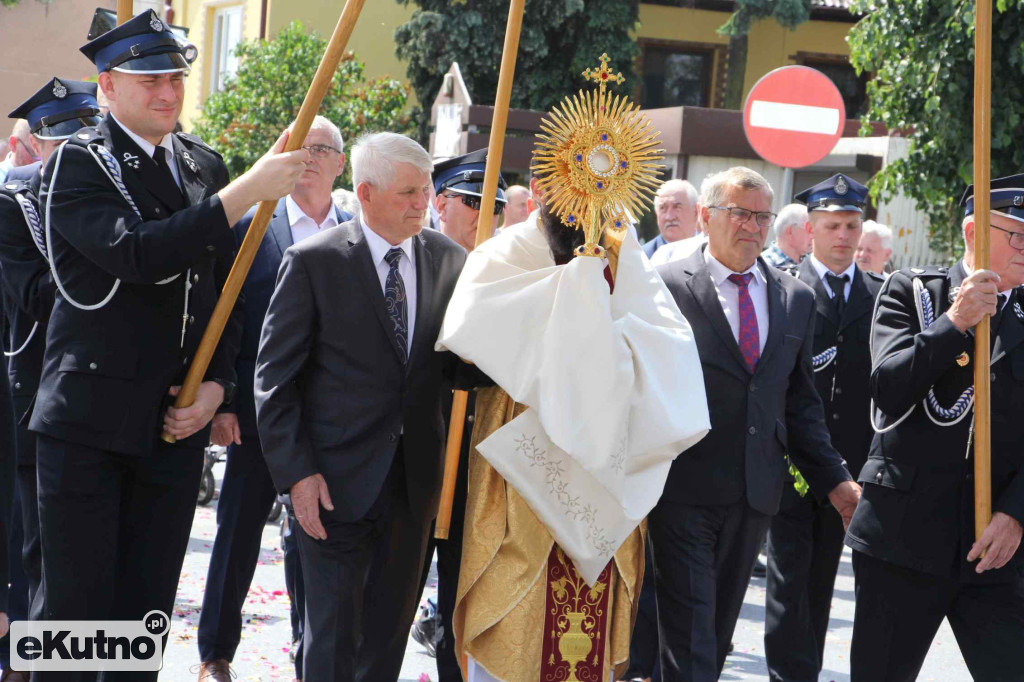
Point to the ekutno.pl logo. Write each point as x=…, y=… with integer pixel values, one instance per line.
x=79, y=645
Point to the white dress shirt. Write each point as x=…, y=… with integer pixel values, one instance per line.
x=379, y=248
x=302, y=225
x=678, y=249
x=150, y=148
x=729, y=296
x=822, y=270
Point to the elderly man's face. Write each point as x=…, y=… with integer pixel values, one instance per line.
x=324, y=165
x=1005, y=260
x=733, y=242
x=458, y=221
x=870, y=256
x=517, y=209
x=836, y=235
x=677, y=217
x=396, y=212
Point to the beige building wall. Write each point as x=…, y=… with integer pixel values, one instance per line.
x=372, y=41
x=39, y=41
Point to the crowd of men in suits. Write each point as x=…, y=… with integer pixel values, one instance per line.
x=840, y=399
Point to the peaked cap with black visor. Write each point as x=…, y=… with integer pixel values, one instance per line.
x=144, y=44
x=60, y=109
x=1007, y=197
x=465, y=175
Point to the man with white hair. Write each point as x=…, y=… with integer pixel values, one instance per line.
x=792, y=237
x=875, y=247
x=348, y=402
x=519, y=205
x=247, y=493
x=19, y=149
x=675, y=207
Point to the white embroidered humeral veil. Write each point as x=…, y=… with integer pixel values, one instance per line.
x=613, y=382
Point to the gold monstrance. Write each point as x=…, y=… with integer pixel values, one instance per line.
x=597, y=161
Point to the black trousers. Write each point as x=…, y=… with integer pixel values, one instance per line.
x=449, y=560
x=115, y=529
x=643, y=647
x=805, y=543
x=899, y=610
x=703, y=558
x=246, y=496
x=31, y=550
x=361, y=588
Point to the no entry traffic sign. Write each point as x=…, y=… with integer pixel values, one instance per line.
x=794, y=116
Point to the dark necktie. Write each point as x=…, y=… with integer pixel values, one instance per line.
x=166, y=176
x=838, y=286
x=996, y=319
x=396, y=303
x=749, y=339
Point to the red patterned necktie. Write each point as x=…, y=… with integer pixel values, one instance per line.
x=750, y=341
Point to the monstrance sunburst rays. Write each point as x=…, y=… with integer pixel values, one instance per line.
x=597, y=160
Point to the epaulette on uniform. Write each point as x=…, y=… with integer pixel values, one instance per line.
x=86, y=136
x=874, y=275
x=192, y=140
x=13, y=187
x=790, y=269
x=926, y=271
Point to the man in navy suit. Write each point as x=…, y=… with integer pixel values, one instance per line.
x=247, y=492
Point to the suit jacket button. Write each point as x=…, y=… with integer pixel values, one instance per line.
x=211, y=248
x=839, y=391
x=191, y=319
x=752, y=430
x=195, y=278
x=839, y=338
x=469, y=419
x=17, y=384
x=753, y=387
x=835, y=416
x=93, y=365
x=992, y=376
x=878, y=477
x=157, y=210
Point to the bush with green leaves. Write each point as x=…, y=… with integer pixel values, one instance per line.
x=559, y=40
x=922, y=54
x=242, y=120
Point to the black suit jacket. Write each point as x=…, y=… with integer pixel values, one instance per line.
x=755, y=418
x=842, y=381
x=106, y=371
x=917, y=508
x=332, y=396
x=256, y=293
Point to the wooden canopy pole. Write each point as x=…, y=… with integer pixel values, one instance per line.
x=251, y=244
x=982, y=203
x=124, y=11
x=495, y=147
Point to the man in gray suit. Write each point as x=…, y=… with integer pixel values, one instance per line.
x=754, y=327
x=348, y=405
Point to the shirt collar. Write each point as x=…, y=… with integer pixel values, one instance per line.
x=968, y=271
x=146, y=145
x=379, y=246
x=822, y=270
x=295, y=213
x=720, y=273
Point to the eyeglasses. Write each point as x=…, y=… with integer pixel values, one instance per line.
x=741, y=215
x=1016, y=239
x=320, y=151
x=474, y=202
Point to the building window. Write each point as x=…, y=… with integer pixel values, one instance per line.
x=227, y=33
x=676, y=77
x=852, y=87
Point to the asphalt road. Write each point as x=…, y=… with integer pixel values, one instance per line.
x=266, y=636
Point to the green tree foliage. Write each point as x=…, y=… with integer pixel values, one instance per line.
x=922, y=54
x=559, y=39
x=788, y=13
x=243, y=120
